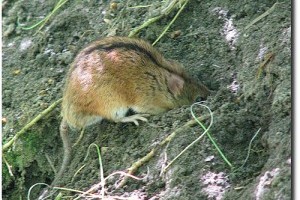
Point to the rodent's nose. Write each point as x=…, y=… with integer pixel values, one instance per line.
x=199, y=99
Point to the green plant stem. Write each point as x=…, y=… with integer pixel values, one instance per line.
x=210, y=137
x=194, y=142
x=135, y=166
x=30, y=124
x=261, y=16
x=165, y=12
x=173, y=20
x=147, y=23
x=249, y=147
x=101, y=169
x=44, y=21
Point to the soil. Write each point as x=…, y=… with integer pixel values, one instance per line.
x=246, y=65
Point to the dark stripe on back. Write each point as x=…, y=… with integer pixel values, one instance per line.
x=129, y=46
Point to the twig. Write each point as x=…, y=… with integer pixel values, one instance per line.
x=249, y=147
x=195, y=141
x=170, y=7
x=51, y=164
x=147, y=23
x=209, y=135
x=134, y=167
x=44, y=21
x=8, y=166
x=173, y=20
x=30, y=124
x=261, y=16
x=79, y=138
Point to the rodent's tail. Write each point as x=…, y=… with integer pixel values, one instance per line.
x=63, y=129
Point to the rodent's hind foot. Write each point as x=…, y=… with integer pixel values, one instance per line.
x=134, y=118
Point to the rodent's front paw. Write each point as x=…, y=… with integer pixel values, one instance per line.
x=134, y=118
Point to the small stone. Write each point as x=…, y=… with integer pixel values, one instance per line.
x=113, y=6
x=4, y=120
x=175, y=34
x=16, y=72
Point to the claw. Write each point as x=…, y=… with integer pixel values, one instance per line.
x=135, y=118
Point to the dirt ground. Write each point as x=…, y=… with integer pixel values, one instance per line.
x=241, y=50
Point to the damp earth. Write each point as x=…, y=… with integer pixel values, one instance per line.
x=241, y=51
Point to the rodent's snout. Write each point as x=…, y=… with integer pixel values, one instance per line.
x=204, y=93
x=199, y=99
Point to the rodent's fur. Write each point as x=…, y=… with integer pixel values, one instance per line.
x=113, y=75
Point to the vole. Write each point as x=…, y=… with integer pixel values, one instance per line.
x=115, y=75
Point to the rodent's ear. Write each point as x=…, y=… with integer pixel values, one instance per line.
x=175, y=84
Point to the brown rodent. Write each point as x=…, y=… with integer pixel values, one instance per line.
x=116, y=74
